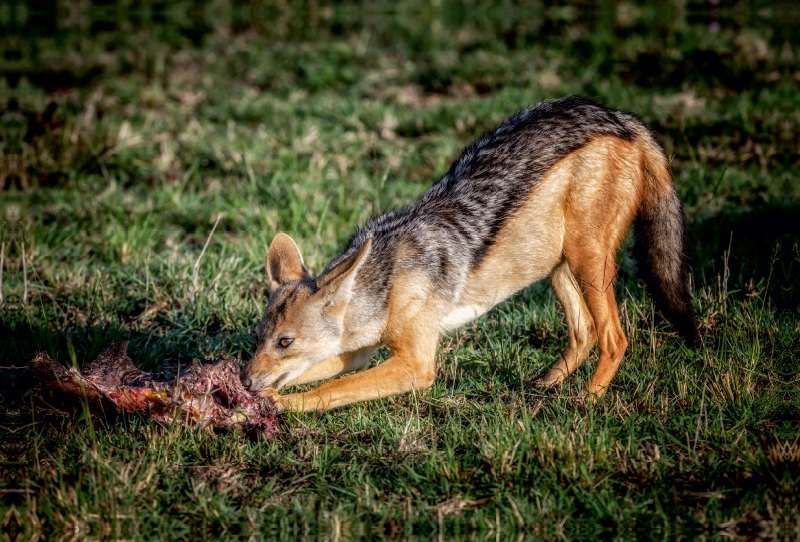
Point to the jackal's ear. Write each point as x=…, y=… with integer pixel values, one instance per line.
x=336, y=284
x=284, y=262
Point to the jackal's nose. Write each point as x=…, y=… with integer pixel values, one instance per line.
x=247, y=382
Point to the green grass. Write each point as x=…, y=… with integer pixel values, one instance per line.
x=311, y=121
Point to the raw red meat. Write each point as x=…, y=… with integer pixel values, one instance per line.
x=208, y=394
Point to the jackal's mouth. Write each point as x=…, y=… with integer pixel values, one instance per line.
x=257, y=381
x=264, y=380
x=278, y=382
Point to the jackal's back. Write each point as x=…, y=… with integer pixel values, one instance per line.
x=493, y=177
x=450, y=230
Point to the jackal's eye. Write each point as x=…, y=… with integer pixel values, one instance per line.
x=285, y=342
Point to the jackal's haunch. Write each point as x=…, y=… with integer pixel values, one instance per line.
x=548, y=193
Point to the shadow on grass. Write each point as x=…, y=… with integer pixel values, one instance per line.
x=764, y=252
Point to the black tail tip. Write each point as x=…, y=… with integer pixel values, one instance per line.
x=692, y=341
x=687, y=329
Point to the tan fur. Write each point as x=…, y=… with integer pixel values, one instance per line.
x=284, y=261
x=580, y=325
x=569, y=230
x=333, y=367
x=413, y=339
x=311, y=311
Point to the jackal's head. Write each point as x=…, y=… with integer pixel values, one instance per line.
x=303, y=322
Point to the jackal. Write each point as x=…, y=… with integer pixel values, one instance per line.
x=549, y=193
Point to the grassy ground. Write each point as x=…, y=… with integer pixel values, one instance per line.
x=256, y=120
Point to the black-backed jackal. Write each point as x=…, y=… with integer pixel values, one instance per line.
x=549, y=193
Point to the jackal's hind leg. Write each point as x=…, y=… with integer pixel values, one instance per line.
x=579, y=325
x=597, y=278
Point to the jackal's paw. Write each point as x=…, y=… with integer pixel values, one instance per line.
x=596, y=393
x=537, y=384
x=276, y=398
x=544, y=383
x=551, y=380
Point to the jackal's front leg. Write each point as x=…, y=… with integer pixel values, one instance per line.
x=335, y=366
x=406, y=370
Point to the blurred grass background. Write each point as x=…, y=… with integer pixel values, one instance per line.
x=129, y=132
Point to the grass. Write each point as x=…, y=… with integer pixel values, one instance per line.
x=307, y=120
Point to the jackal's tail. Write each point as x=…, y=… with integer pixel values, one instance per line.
x=660, y=245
